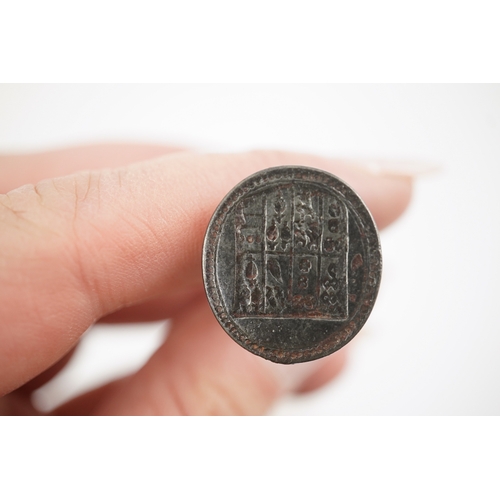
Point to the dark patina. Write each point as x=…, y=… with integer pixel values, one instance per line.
x=292, y=264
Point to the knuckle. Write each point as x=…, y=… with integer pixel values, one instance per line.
x=26, y=212
x=217, y=397
x=250, y=393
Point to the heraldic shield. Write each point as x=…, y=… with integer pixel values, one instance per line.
x=291, y=254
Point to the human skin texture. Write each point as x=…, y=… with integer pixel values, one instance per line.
x=114, y=233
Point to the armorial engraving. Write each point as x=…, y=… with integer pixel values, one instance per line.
x=291, y=264
x=291, y=248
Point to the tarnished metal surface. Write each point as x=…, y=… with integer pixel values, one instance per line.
x=292, y=264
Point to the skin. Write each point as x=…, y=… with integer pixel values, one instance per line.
x=113, y=233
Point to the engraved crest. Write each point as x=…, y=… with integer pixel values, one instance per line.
x=292, y=264
x=291, y=249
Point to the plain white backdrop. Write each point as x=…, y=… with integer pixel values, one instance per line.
x=432, y=344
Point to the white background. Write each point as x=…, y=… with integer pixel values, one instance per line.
x=431, y=345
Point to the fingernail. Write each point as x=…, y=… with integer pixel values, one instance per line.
x=410, y=168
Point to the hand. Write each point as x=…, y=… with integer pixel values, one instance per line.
x=122, y=244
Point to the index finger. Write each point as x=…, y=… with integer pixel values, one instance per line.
x=79, y=247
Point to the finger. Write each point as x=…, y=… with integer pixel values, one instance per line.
x=156, y=309
x=17, y=170
x=19, y=401
x=48, y=374
x=388, y=201
x=89, y=402
x=80, y=247
x=17, y=404
x=199, y=370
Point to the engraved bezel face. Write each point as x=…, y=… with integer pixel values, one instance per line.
x=292, y=264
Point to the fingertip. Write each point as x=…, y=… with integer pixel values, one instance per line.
x=388, y=197
x=387, y=193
